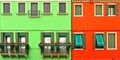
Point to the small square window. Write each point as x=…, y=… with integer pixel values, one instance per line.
x=98, y=9
x=62, y=7
x=112, y=10
x=46, y=8
x=99, y=41
x=78, y=10
x=6, y=8
x=21, y=7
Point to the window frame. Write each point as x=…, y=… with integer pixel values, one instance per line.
x=95, y=9
x=84, y=38
x=18, y=8
x=11, y=37
x=42, y=37
x=115, y=41
x=103, y=38
x=81, y=12
x=66, y=8
x=111, y=4
x=3, y=8
x=43, y=8
x=67, y=36
x=26, y=37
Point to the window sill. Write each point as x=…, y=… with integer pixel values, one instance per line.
x=99, y=49
x=21, y=13
x=6, y=13
x=98, y=15
x=62, y=13
x=111, y=15
x=47, y=14
x=34, y=16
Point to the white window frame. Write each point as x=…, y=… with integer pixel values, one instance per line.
x=81, y=12
x=94, y=41
x=111, y=4
x=95, y=9
x=115, y=41
x=18, y=7
x=66, y=7
x=50, y=7
x=78, y=33
x=3, y=9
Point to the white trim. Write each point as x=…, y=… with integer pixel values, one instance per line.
x=115, y=41
x=18, y=7
x=74, y=40
x=2, y=6
x=66, y=6
x=81, y=8
x=95, y=9
x=43, y=6
x=94, y=41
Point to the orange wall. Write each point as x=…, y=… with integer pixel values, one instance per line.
x=90, y=24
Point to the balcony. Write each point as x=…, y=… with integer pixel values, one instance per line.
x=34, y=13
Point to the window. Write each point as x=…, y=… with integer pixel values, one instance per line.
x=78, y=10
x=79, y=41
x=62, y=7
x=6, y=8
x=98, y=9
x=46, y=8
x=22, y=37
x=99, y=41
x=7, y=37
x=112, y=9
x=112, y=40
x=62, y=37
x=21, y=7
x=47, y=40
x=34, y=12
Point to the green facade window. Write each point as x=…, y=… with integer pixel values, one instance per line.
x=78, y=9
x=22, y=37
x=99, y=41
x=111, y=40
x=98, y=9
x=112, y=9
x=62, y=7
x=46, y=8
x=6, y=8
x=21, y=7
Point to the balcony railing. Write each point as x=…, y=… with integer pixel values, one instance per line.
x=34, y=13
x=96, y=0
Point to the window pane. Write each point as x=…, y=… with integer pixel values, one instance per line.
x=21, y=8
x=46, y=8
x=111, y=40
x=78, y=9
x=62, y=7
x=34, y=9
x=112, y=9
x=6, y=8
x=98, y=9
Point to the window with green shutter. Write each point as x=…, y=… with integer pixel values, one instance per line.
x=112, y=10
x=98, y=9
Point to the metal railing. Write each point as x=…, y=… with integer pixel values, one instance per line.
x=34, y=13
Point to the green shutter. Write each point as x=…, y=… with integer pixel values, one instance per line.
x=116, y=9
x=107, y=12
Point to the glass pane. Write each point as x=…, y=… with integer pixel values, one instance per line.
x=79, y=40
x=6, y=8
x=78, y=9
x=62, y=7
x=21, y=8
x=111, y=40
x=98, y=9
x=46, y=7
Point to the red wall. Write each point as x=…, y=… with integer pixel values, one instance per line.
x=89, y=24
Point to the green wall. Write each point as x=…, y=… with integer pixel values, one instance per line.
x=34, y=26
